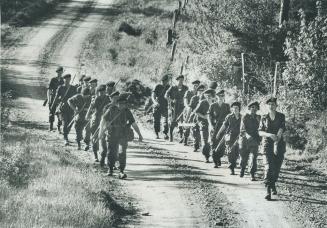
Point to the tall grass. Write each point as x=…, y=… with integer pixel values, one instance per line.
x=43, y=185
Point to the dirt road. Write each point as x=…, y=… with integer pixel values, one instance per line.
x=172, y=186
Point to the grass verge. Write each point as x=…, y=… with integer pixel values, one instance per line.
x=45, y=185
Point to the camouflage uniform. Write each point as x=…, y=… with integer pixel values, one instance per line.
x=249, y=125
x=53, y=86
x=176, y=94
x=65, y=112
x=217, y=115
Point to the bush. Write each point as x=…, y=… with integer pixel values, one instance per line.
x=129, y=30
x=6, y=106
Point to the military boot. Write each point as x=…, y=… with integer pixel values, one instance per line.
x=166, y=137
x=78, y=145
x=185, y=141
x=232, y=172
x=268, y=196
x=102, y=161
x=51, y=126
x=59, y=129
x=242, y=172
x=273, y=189
x=253, y=177
x=96, y=156
x=157, y=135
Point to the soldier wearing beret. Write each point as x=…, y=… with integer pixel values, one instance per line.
x=271, y=128
x=231, y=126
x=250, y=139
x=160, y=106
x=64, y=92
x=55, y=82
x=80, y=103
x=191, y=117
x=93, y=83
x=201, y=112
x=93, y=86
x=217, y=114
x=175, y=96
x=213, y=85
x=110, y=87
x=80, y=83
x=94, y=113
x=84, y=83
x=118, y=121
x=187, y=101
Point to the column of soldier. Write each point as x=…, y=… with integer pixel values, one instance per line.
x=202, y=110
x=100, y=110
x=96, y=110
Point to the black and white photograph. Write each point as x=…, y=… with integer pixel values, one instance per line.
x=163, y=113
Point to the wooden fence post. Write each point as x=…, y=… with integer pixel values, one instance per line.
x=173, y=51
x=284, y=9
x=169, y=37
x=275, y=80
x=243, y=75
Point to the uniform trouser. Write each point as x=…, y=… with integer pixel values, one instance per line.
x=87, y=134
x=273, y=163
x=232, y=153
x=214, y=139
x=219, y=150
x=79, y=126
x=52, y=114
x=249, y=148
x=94, y=126
x=204, y=130
x=157, y=114
x=66, y=118
x=173, y=122
x=197, y=136
x=113, y=153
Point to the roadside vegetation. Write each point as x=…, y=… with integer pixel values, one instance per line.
x=43, y=184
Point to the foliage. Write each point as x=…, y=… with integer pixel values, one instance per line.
x=6, y=106
x=222, y=30
x=306, y=69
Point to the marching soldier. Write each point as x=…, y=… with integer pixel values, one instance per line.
x=231, y=126
x=64, y=92
x=93, y=86
x=55, y=82
x=118, y=120
x=272, y=127
x=80, y=84
x=160, y=106
x=201, y=112
x=191, y=117
x=96, y=110
x=217, y=114
x=187, y=101
x=175, y=96
x=250, y=139
x=79, y=104
x=110, y=87
x=87, y=130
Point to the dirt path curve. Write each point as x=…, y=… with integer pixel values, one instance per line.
x=164, y=202
x=246, y=196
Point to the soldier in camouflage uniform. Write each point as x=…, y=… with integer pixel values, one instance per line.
x=87, y=130
x=191, y=117
x=79, y=104
x=187, y=102
x=64, y=92
x=51, y=93
x=175, y=96
x=271, y=129
x=96, y=110
x=201, y=112
x=160, y=106
x=117, y=121
x=217, y=114
x=231, y=126
x=250, y=139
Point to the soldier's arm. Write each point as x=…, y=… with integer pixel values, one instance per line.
x=137, y=129
x=223, y=127
x=90, y=110
x=72, y=104
x=103, y=127
x=154, y=98
x=263, y=133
